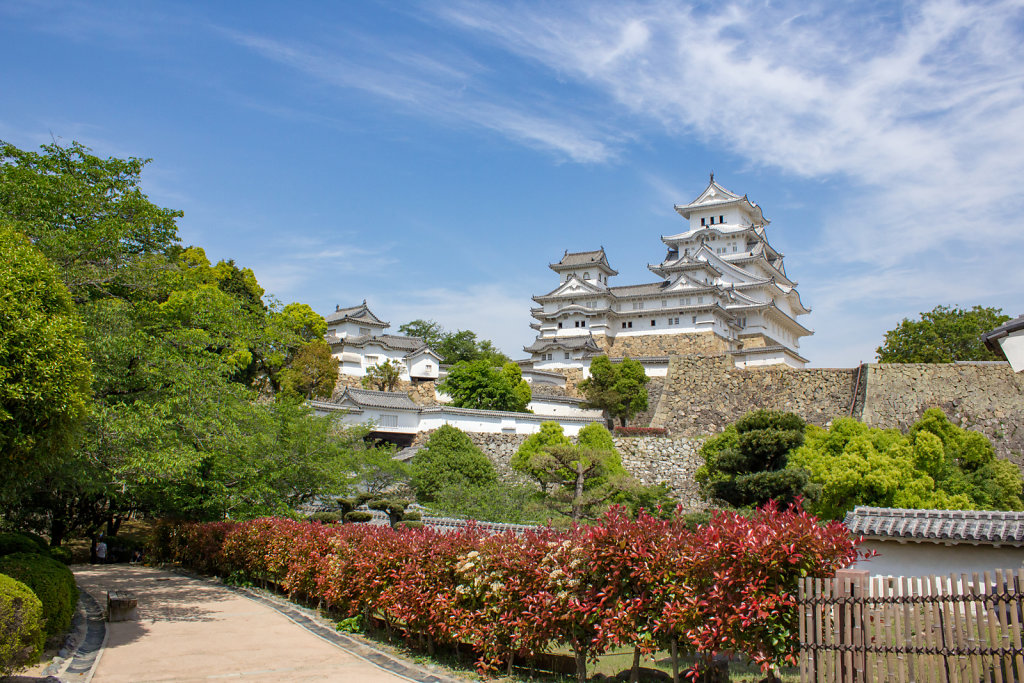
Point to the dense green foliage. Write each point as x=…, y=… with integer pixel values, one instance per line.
x=454, y=347
x=449, y=460
x=22, y=633
x=745, y=466
x=51, y=581
x=935, y=465
x=478, y=384
x=44, y=373
x=942, y=335
x=549, y=436
x=617, y=389
x=579, y=480
x=14, y=542
x=196, y=380
x=383, y=376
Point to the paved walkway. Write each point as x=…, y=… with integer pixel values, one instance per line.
x=195, y=630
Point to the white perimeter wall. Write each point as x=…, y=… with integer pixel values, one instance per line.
x=926, y=559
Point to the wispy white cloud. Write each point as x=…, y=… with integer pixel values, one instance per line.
x=917, y=110
x=429, y=85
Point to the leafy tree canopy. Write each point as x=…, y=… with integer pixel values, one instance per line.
x=312, y=373
x=383, y=376
x=935, y=465
x=745, y=466
x=450, y=459
x=456, y=346
x=44, y=372
x=617, y=389
x=942, y=335
x=477, y=384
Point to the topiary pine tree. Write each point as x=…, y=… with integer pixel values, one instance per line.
x=746, y=465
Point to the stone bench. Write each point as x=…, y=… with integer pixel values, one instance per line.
x=122, y=606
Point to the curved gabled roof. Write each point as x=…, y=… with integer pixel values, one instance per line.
x=582, y=259
x=360, y=314
x=577, y=343
x=715, y=196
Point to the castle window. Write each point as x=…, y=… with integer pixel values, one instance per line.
x=734, y=248
x=694, y=320
x=712, y=220
x=566, y=355
x=664, y=303
x=586, y=276
x=703, y=221
x=676, y=321
x=363, y=331
x=629, y=324
x=721, y=219
x=388, y=420
x=700, y=299
x=559, y=325
x=583, y=323
x=372, y=360
x=652, y=323
x=428, y=367
x=623, y=325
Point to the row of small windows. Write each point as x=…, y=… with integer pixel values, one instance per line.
x=551, y=356
x=576, y=323
x=665, y=303
x=711, y=221
x=628, y=324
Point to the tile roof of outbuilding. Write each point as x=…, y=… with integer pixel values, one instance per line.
x=567, y=343
x=940, y=526
x=360, y=313
x=379, y=399
x=395, y=342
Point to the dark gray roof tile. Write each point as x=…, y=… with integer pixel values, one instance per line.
x=947, y=526
x=379, y=399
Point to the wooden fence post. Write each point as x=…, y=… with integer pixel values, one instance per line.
x=850, y=625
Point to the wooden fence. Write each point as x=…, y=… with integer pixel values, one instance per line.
x=911, y=629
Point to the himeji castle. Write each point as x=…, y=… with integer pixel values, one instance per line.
x=723, y=289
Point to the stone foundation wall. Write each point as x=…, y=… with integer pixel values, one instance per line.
x=703, y=343
x=705, y=394
x=986, y=397
x=421, y=393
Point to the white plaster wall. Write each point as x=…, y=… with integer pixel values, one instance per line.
x=926, y=559
x=418, y=367
x=542, y=407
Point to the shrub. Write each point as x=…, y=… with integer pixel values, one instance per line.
x=40, y=541
x=412, y=516
x=409, y=524
x=358, y=516
x=325, y=517
x=61, y=554
x=21, y=625
x=51, y=581
x=450, y=459
x=17, y=542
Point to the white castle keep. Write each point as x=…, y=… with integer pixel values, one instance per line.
x=723, y=289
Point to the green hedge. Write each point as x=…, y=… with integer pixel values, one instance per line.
x=16, y=542
x=51, y=581
x=21, y=626
x=61, y=553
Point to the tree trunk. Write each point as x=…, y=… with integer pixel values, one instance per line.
x=577, y=501
x=634, y=673
x=581, y=661
x=57, y=531
x=675, y=661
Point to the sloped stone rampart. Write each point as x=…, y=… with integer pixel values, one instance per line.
x=705, y=394
x=986, y=397
x=663, y=344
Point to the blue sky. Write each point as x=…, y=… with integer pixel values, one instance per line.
x=434, y=157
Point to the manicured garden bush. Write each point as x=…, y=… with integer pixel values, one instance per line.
x=325, y=517
x=17, y=542
x=21, y=626
x=51, y=581
x=358, y=516
x=61, y=554
x=646, y=582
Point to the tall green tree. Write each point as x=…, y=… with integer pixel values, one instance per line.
x=450, y=460
x=44, y=373
x=455, y=346
x=313, y=371
x=617, y=389
x=478, y=384
x=942, y=335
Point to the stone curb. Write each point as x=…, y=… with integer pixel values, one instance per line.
x=91, y=636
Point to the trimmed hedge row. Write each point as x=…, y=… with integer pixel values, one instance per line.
x=728, y=585
x=51, y=581
x=17, y=542
x=21, y=626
